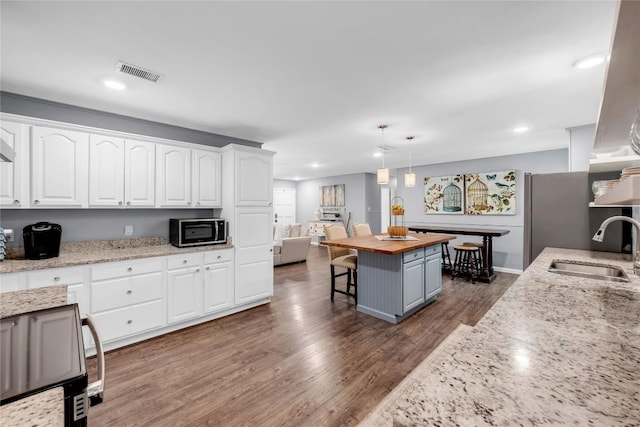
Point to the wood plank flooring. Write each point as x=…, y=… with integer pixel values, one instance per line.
x=299, y=360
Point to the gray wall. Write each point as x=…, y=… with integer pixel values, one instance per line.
x=508, y=250
x=49, y=110
x=100, y=224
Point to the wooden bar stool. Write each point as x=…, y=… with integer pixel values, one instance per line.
x=467, y=262
x=446, y=258
x=480, y=246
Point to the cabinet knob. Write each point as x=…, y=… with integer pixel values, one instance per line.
x=55, y=279
x=129, y=322
x=120, y=203
x=129, y=292
x=36, y=202
x=188, y=203
x=16, y=202
x=128, y=203
x=208, y=268
x=184, y=261
x=219, y=256
x=271, y=250
x=198, y=204
x=130, y=269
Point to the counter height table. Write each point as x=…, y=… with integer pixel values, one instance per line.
x=487, y=239
x=396, y=278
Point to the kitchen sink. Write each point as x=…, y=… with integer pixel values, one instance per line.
x=590, y=270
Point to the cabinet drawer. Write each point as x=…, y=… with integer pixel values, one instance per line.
x=55, y=276
x=413, y=255
x=115, y=293
x=125, y=268
x=186, y=260
x=431, y=250
x=218, y=256
x=120, y=323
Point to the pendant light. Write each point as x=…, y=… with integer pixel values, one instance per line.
x=383, y=173
x=409, y=178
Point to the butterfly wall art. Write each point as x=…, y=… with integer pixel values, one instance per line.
x=490, y=193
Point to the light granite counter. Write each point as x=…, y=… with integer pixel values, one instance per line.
x=554, y=350
x=91, y=252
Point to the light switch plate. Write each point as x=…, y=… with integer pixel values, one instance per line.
x=128, y=230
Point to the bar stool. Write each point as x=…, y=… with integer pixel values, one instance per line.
x=478, y=245
x=446, y=258
x=467, y=262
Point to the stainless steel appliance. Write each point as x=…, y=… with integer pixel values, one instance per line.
x=43, y=350
x=197, y=231
x=41, y=240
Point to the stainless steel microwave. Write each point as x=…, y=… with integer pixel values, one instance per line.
x=197, y=231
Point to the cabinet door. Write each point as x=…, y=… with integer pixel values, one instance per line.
x=433, y=277
x=218, y=286
x=106, y=171
x=13, y=180
x=413, y=284
x=184, y=289
x=254, y=254
x=59, y=168
x=253, y=179
x=173, y=176
x=139, y=174
x=206, y=179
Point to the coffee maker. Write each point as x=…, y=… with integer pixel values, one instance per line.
x=41, y=240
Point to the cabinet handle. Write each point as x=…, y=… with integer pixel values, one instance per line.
x=128, y=203
x=219, y=256
x=208, y=268
x=129, y=292
x=129, y=322
x=120, y=203
x=130, y=269
x=55, y=279
x=184, y=261
x=36, y=202
x=197, y=270
x=16, y=202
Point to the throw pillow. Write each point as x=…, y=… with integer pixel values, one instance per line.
x=282, y=231
x=295, y=230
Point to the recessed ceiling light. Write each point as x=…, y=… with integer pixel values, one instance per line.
x=377, y=154
x=112, y=84
x=521, y=129
x=315, y=165
x=589, y=61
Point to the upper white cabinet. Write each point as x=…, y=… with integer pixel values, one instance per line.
x=59, y=168
x=253, y=178
x=173, y=177
x=206, y=179
x=121, y=173
x=13, y=179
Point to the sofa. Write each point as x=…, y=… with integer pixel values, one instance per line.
x=290, y=243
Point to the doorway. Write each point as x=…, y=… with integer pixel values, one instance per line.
x=284, y=205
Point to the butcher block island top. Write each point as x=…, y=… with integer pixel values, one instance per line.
x=396, y=278
x=390, y=247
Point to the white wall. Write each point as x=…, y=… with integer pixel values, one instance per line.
x=580, y=147
x=508, y=250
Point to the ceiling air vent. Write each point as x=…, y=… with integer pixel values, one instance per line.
x=136, y=71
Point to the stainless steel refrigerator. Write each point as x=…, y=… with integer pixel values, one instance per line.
x=557, y=214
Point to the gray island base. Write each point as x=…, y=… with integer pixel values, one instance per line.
x=396, y=278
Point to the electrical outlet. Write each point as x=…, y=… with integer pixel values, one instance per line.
x=8, y=234
x=128, y=230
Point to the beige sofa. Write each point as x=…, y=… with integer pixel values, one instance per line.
x=290, y=244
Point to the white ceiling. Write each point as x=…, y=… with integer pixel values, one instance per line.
x=313, y=80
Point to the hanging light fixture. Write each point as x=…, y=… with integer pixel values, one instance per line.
x=383, y=173
x=409, y=178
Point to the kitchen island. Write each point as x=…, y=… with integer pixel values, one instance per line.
x=396, y=278
x=554, y=350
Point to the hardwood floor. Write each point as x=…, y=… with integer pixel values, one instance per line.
x=299, y=360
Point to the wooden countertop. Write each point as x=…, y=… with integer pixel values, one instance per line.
x=390, y=247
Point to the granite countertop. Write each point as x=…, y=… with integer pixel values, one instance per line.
x=91, y=252
x=554, y=350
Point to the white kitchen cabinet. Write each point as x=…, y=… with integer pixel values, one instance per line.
x=59, y=168
x=206, y=179
x=253, y=178
x=253, y=242
x=14, y=190
x=184, y=287
x=121, y=173
x=173, y=176
x=218, y=280
x=122, y=291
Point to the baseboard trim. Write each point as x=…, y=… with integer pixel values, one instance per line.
x=507, y=270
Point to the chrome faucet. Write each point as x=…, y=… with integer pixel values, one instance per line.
x=599, y=237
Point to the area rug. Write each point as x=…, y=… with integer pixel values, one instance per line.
x=390, y=410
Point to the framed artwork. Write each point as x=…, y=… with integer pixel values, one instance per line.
x=491, y=193
x=332, y=195
x=444, y=194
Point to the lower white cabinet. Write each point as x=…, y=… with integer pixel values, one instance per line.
x=218, y=281
x=185, y=293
